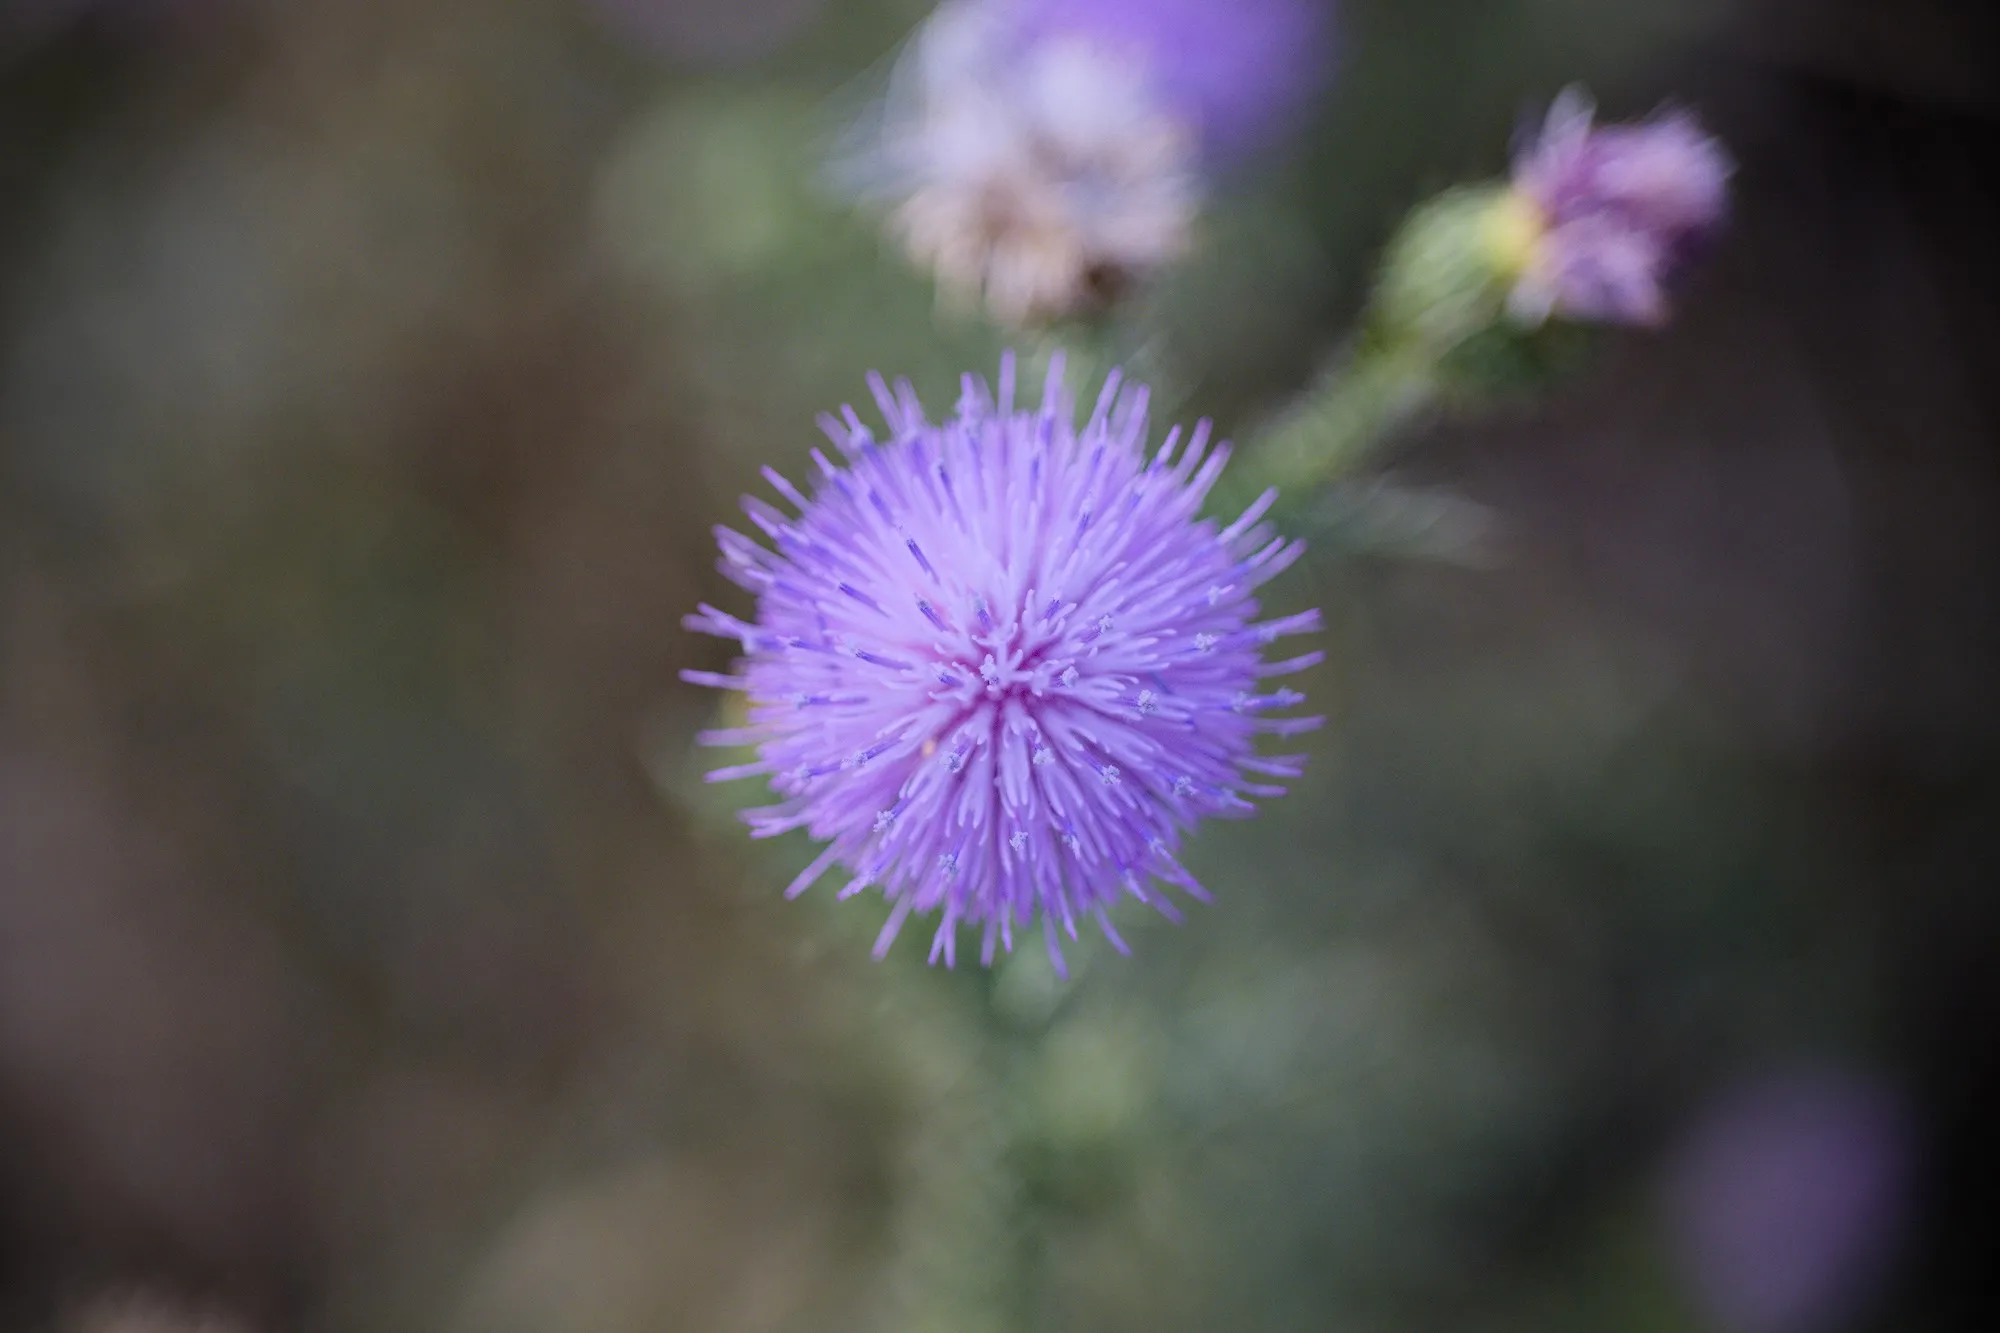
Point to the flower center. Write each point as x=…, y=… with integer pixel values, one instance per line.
x=1514, y=228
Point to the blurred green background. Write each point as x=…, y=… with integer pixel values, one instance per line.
x=373, y=958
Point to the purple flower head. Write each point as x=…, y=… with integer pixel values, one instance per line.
x=1788, y=1199
x=999, y=665
x=1618, y=211
x=1234, y=71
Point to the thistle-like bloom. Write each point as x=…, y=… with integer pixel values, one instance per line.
x=999, y=665
x=1045, y=154
x=1609, y=215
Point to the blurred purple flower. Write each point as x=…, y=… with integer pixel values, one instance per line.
x=1045, y=154
x=1617, y=212
x=1234, y=71
x=999, y=665
x=1787, y=1201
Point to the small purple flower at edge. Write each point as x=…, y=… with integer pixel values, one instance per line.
x=1613, y=213
x=990, y=668
x=1790, y=1197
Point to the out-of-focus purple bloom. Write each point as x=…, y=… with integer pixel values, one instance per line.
x=1617, y=209
x=1234, y=71
x=1000, y=666
x=1044, y=155
x=1787, y=1201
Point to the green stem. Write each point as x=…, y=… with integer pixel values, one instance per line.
x=1357, y=405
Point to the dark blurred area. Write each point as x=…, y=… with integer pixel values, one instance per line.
x=373, y=957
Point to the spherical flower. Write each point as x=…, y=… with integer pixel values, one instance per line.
x=1611, y=214
x=1045, y=156
x=999, y=666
